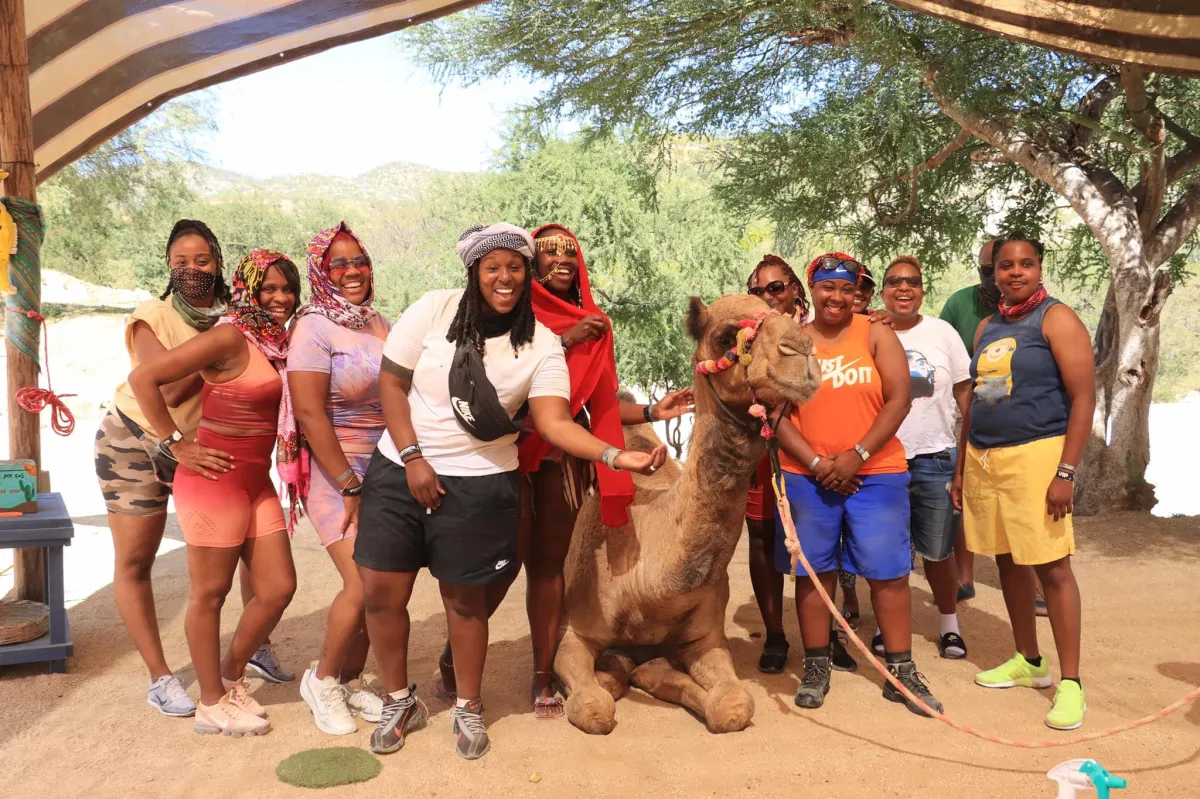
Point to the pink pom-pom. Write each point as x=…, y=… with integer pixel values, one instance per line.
x=758, y=411
x=766, y=431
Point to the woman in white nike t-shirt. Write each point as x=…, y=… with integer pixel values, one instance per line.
x=439, y=496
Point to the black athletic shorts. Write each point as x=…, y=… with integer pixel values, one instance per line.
x=471, y=539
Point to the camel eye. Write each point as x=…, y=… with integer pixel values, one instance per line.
x=726, y=341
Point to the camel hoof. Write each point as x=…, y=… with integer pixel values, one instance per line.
x=592, y=710
x=728, y=708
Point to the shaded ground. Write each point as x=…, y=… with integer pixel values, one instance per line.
x=89, y=732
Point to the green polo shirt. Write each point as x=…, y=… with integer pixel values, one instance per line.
x=964, y=311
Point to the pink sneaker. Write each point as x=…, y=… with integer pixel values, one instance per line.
x=226, y=718
x=239, y=694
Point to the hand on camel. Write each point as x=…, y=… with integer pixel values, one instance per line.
x=590, y=328
x=674, y=405
x=642, y=462
x=423, y=483
x=839, y=473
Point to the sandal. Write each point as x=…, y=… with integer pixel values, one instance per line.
x=446, y=666
x=1039, y=602
x=547, y=708
x=774, y=656
x=839, y=658
x=852, y=619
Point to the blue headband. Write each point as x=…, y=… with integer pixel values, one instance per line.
x=841, y=273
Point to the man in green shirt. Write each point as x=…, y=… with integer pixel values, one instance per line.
x=966, y=308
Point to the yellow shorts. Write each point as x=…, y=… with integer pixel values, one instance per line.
x=1004, y=503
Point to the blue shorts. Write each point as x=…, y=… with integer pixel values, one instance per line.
x=934, y=520
x=877, y=544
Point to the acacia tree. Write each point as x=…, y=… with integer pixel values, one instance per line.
x=900, y=133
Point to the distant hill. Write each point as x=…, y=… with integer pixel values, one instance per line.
x=395, y=181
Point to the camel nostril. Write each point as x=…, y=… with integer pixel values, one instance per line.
x=788, y=349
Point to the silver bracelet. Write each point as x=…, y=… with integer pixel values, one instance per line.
x=609, y=458
x=812, y=467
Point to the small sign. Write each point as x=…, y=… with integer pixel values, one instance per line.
x=18, y=487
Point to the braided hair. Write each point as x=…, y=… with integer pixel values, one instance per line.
x=793, y=280
x=194, y=227
x=467, y=327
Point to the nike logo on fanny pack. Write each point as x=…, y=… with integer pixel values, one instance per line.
x=464, y=410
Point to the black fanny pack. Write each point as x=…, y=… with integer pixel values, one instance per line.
x=474, y=401
x=164, y=465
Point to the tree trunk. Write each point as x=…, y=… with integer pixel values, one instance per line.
x=1113, y=473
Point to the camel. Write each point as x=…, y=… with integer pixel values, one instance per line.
x=645, y=603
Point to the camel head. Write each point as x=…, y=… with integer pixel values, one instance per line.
x=782, y=365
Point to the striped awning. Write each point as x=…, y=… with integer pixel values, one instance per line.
x=98, y=66
x=1160, y=35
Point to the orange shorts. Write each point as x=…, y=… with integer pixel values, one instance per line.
x=239, y=504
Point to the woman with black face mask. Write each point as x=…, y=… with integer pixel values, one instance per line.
x=136, y=484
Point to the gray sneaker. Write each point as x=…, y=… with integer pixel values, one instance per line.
x=265, y=664
x=398, y=718
x=473, y=740
x=167, y=696
x=815, y=683
x=913, y=680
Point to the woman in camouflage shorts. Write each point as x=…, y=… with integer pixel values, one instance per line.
x=135, y=493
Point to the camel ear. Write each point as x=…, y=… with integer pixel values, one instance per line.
x=697, y=318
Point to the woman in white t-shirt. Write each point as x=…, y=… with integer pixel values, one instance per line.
x=459, y=370
x=940, y=370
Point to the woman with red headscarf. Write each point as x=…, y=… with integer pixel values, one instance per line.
x=556, y=483
x=333, y=372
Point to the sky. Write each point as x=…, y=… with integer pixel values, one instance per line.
x=284, y=120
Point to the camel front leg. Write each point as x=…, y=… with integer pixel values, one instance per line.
x=727, y=706
x=613, y=672
x=663, y=681
x=589, y=707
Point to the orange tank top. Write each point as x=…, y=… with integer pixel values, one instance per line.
x=846, y=404
x=250, y=400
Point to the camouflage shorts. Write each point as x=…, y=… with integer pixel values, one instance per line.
x=125, y=471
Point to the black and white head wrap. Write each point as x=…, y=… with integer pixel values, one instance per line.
x=478, y=241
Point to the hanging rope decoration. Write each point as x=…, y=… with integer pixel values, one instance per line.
x=34, y=399
x=22, y=231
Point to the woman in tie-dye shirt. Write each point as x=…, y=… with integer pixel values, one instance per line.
x=333, y=373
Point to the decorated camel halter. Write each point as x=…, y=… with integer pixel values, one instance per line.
x=740, y=354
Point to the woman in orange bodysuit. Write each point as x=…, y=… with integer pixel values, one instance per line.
x=227, y=505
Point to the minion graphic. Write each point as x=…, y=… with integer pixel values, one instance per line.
x=994, y=382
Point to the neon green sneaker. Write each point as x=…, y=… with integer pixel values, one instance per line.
x=1069, y=706
x=1016, y=673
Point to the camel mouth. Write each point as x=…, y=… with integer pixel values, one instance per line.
x=798, y=389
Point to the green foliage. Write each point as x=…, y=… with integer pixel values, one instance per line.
x=825, y=108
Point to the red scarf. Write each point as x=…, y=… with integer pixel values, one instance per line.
x=1017, y=311
x=593, y=368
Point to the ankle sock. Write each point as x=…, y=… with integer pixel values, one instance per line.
x=894, y=658
x=1035, y=662
x=819, y=652
x=949, y=623
x=403, y=693
x=463, y=701
x=1074, y=680
x=228, y=683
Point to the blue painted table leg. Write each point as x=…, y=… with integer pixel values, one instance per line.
x=58, y=609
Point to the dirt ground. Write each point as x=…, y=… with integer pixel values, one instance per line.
x=89, y=733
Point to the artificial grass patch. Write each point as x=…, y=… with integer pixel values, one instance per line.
x=325, y=768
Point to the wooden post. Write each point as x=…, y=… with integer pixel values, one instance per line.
x=16, y=157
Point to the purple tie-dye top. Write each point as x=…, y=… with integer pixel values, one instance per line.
x=351, y=359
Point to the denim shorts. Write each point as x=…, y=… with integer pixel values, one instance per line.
x=876, y=543
x=934, y=521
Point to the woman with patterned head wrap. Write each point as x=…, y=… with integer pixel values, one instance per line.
x=333, y=374
x=226, y=503
x=460, y=370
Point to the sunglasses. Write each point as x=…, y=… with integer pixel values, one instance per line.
x=774, y=288
x=831, y=264
x=340, y=265
x=896, y=281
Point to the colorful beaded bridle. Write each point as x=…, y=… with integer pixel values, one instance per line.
x=740, y=355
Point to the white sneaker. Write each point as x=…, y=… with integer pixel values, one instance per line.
x=327, y=701
x=168, y=696
x=365, y=700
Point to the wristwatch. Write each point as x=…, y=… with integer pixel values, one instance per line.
x=170, y=441
x=862, y=453
x=648, y=413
